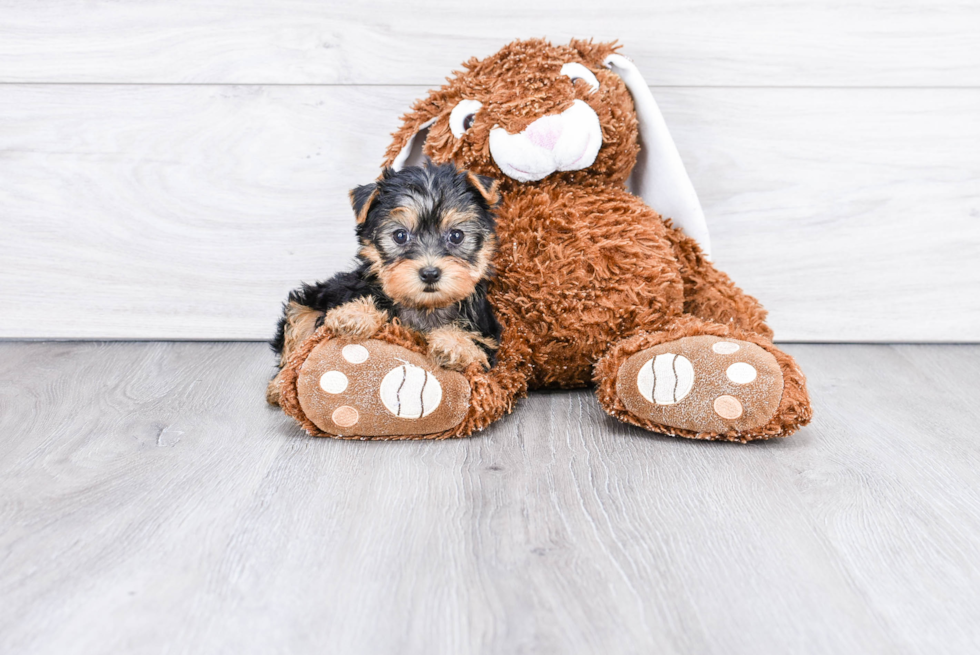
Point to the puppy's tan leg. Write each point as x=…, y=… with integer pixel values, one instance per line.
x=358, y=319
x=456, y=349
x=300, y=324
x=272, y=391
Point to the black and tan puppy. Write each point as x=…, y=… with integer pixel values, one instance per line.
x=426, y=236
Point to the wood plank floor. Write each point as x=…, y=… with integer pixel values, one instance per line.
x=150, y=502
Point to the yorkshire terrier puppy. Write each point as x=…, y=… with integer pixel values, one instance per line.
x=426, y=236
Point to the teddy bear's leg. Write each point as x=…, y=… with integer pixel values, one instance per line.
x=387, y=387
x=703, y=380
x=710, y=294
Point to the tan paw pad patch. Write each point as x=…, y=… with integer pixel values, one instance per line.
x=345, y=416
x=704, y=384
x=728, y=407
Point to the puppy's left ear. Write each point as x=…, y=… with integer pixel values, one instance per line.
x=486, y=187
x=361, y=199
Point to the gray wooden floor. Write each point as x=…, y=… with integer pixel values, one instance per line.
x=151, y=502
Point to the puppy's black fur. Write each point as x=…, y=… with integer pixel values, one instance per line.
x=430, y=197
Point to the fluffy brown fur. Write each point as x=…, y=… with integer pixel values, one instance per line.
x=587, y=274
x=517, y=85
x=794, y=406
x=492, y=393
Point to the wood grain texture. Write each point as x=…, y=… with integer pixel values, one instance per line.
x=151, y=502
x=710, y=42
x=188, y=212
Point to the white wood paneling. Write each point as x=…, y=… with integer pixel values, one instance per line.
x=189, y=211
x=675, y=42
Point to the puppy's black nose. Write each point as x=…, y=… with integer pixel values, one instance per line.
x=430, y=274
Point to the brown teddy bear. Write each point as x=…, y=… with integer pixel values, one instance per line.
x=592, y=285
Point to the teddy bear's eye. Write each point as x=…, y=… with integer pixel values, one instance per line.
x=463, y=115
x=579, y=72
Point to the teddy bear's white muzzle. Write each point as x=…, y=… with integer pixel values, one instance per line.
x=568, y=141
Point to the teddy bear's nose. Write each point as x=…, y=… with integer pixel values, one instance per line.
x=569, y=141
x=545, y=132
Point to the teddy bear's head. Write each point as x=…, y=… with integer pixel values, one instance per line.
x=573, y=114
x=530, y=111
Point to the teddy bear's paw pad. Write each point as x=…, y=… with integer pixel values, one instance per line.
x=704, y=384
x=375, y=389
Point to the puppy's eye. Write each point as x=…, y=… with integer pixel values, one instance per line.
x=456, y=236
x=400, y=237
x=463, y=115
x=577, y=72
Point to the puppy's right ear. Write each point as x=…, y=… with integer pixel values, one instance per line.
x=486, y=187
x=361, y=199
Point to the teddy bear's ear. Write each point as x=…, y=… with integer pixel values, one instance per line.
x=486, y=187
x=406, y=146
x=361, y=199
x=659, y=176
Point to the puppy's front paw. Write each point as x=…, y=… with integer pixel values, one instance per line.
x=300, y=323
x=358, y=319
x=455, y=349
x=272, y=391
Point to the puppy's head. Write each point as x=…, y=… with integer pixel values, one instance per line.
x=428, y=232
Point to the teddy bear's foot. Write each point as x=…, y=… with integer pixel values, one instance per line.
x=372, y=388
x=702, y=385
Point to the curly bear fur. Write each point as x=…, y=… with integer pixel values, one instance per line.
x=586, y=273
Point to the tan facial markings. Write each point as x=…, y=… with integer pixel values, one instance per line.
x=457, y=217
x=370, y=253
x=407, y=217
x=479, y=269
x=402, y=283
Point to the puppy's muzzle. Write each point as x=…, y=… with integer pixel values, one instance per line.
x=430, y=274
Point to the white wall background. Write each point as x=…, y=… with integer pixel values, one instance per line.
x=170, y=170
